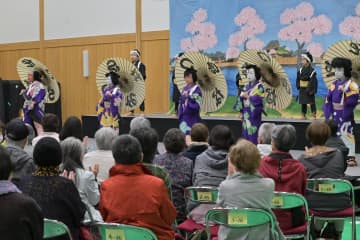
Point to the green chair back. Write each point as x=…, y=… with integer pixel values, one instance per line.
x=239, y=218
x=207, y=195
x=53, y=228
x=113, y=231
x=160, y=172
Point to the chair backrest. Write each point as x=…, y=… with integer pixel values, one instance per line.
x=330, y=186
x=285, y=200
x=160, y=172
x=54, y=228
x=239, y=218
x=207, y=195
x=113, y=231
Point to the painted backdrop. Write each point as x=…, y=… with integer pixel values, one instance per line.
x=221, y=29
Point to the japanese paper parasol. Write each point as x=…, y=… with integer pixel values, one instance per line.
x=346, y=49
x=131, y=82
x=276, y=83
x=28, y=65
x=210, y=79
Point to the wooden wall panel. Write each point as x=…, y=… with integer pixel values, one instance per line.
x=80, y=95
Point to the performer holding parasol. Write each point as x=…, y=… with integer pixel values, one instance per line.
x=135, y=59
x=306, y=83
x=109, y=106
x=267, y=86
x=40, y=88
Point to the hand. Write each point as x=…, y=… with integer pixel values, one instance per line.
x=341, y=88
x=85, y=141
x=245, y=95
x=94, y=169
x=241, y=117
x=22, y=91
x=108, y=93
x=186, y=93
x=69, y=175
x=31, y=106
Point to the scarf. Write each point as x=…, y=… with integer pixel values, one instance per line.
x=49, y=171
x=8, y=187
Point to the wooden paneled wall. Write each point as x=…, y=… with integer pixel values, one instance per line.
x=64, y=59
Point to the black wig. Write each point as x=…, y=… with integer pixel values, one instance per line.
x=256, y=69
x=342, y=63
x=191, y=71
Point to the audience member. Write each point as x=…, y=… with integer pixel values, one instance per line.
x=148, y=139
x=147, y=204
x=73, y=128
x=211, y=166
x=335, y=141
x=21, y=216
x=57, y=196
x=199, y=141
x=50, y=123
x=244, y=188
x=179, y=167
x=288, y=174
x=103, y=155
x=264, y=139
x=321, y=161
x=16, y=138
x=139, y=122
x=85, y=180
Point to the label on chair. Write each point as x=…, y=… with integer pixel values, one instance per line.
x=115, y=234
x=277, y=201
x=235, y=218
x=204, y=196
x=326, y=188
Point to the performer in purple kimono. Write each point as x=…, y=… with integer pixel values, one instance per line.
x=341, y=100
x=34, y=105
x=189, y=102
x=251, y=104
x=109, y=106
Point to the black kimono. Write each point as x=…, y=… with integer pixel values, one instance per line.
x=306, y=83
x=176, y=92
x=142, y=69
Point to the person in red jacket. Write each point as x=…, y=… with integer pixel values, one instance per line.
x=132, y=195
x=288, y=174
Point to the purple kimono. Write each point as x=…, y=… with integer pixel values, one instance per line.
x=108, y=108
x=34, y=105
x=251, y=110
x=339, y=105
x=189, y=107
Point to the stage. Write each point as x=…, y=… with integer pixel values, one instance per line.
x=162, y=122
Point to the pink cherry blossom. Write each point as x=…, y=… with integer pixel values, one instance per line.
x=245, y=15
x=316, y=49
x=351, y=25
x=322, y=25
x=200, y=15
x=255, y=43
x=305, y=10
x=232, y=52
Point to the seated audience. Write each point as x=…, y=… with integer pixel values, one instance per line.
x=139, y=122
x=179, y=167
x=57, y=196
x=244, y=188
x=2, y=133
x=73, y=128
x=335, y=140
x=264, y=139
x=85, y=181
x=103, y=155
x=148, y=139
x=321, y=161
x=288, y=174
x=21, y=216
x=147, y=204
x=16, y=138
x=199, y=141
x=50, y=123
x=211, y=166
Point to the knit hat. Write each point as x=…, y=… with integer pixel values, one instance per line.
x=47, y=152
x=16, y=130
x=307, y=56
x=284, y=137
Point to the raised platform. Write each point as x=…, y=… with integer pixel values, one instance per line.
x=162, y=122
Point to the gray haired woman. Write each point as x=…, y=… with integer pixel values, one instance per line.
x=85, y=181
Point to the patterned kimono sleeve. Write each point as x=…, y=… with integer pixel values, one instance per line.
x=256, y=100
x=115, y=109
x=328, y=106
x=351, y=99
x=100, y=106
x=39, y=95
x=194, y=100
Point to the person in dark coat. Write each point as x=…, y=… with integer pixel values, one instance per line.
x=335, y=140
x=306, y=83
x=176, y=92
x=135, y=59
x=199, y=134
x=56, y=195
x=21, y=218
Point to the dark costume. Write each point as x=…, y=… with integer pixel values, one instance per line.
x=306, y=83
x=142, y=69
x=176, y=93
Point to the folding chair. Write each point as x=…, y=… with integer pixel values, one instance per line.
x=240, y=218
x=54, y=228
x=334, y=186
x=199, y=195
x=114, y=231
x=160, y=172
x=287, y=201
